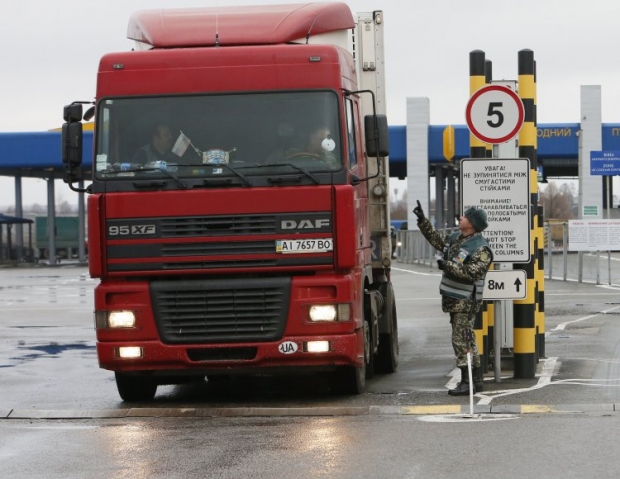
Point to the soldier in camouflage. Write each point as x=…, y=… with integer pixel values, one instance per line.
x=465, y=260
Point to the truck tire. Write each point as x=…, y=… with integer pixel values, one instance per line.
x=135, y=388
x=348, y=380
x=369, y=357
x=387, y=356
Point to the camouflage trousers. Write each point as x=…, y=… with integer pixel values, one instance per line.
x=463, y=338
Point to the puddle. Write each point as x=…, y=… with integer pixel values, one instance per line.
x=55, y=348
x=51, y=350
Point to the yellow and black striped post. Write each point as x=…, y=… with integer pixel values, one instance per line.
x=477, y=79
x=488, y=75
x=478, y=76
x=540, y=286
x=525, y=310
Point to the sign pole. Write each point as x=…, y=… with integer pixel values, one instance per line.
x=608, y=198
x=498, y=311
x=498, y=318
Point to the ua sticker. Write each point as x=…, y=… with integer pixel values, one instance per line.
x=288, y=347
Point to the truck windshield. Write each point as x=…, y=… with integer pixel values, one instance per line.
x=208, y=137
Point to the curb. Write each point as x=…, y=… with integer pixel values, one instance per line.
x=457, y=409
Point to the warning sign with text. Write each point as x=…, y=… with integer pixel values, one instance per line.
x=593, y=235
x=502, y=188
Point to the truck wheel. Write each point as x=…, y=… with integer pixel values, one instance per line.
x=348, y=380
x=369, y=357
x=135, y=388
x=387, y=355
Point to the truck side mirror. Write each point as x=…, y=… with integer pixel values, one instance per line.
x=72, y=113
x=377, y=141
x=72, y=144
x=72, y=136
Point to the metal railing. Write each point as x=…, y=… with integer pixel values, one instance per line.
x=414, y=249
x=560, y=263
x=600, y=267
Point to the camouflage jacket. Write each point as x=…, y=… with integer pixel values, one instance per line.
x=472, y=270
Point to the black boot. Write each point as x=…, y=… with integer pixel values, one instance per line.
x=462, y=388
x=478, y=378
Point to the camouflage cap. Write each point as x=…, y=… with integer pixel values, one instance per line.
x=477, y=217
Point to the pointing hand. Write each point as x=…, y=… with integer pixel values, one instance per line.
x=419, y=212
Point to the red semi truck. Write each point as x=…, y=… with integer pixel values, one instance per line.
x=256, y=239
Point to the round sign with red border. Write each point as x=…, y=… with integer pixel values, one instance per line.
x=494, y=114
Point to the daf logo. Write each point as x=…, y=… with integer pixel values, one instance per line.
x=305, y=224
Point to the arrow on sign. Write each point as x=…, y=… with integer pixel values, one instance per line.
x=518, y=283
x=504, y=284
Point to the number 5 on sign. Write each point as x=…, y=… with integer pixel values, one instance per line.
x=494, y=114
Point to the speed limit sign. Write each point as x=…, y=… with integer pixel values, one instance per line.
x=494, y=114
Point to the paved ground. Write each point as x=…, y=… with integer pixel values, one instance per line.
x=49, y=367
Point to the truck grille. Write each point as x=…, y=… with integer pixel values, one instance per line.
x=209, y=242
x=222, y=310
x=179, y=227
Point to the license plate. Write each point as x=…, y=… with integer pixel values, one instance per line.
x=305, y=245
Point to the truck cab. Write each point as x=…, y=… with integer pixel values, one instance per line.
x=237, y=216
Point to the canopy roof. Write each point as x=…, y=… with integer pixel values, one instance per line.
x=37, y=153
x=11, y=220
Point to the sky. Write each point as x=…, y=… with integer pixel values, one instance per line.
x=51, y=50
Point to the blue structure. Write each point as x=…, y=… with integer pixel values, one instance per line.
x=38, y=154
x=558, y=147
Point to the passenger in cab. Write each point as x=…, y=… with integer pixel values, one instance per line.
x=319, y=145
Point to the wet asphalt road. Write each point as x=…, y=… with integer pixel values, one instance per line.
x=48, y=368
x=48, y=359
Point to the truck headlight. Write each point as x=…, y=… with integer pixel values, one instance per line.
x=115, y=319
x=330, y=312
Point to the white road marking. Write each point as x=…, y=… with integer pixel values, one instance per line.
x=549, y=366
x=415, y=272
x=467, y=417
x=562, y=327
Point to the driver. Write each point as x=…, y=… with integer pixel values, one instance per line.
x=159, y=149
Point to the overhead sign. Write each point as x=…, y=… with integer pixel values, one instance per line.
x=505, y=284
x=494, y=114
x=605, y=163
x=502, y=188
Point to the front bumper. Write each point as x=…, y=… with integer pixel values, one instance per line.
x=289, y=352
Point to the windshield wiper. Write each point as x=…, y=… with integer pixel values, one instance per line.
x=139, y=169
x=179, y=181
x=314, y=179
x=221, y=165
x=230, y=168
